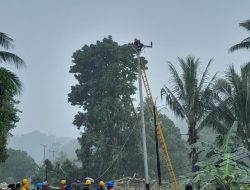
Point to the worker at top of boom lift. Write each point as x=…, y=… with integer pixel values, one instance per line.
x=138, y=45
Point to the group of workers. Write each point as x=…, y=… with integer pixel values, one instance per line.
x=24, y=185
x=88, y=185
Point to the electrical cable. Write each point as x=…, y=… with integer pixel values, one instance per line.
x=111, y=165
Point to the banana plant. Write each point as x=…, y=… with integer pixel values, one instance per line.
x=226, y=171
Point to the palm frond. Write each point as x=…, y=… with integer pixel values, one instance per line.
x=208, y=93
x=242, y=45
x=245, y=75
x=206, y=99
x=245, y=70
x=233, y=78
x=178, y=84
x=222, y=87
x=189, y=77
x=11, y=58
x=9, y=82
x=246, y=24
x=216, y=124
x=173, y=102
x=219, y=115
x=204, y=75
x=246, y=40
x=5, y=41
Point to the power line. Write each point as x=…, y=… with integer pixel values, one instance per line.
x=53, y=153
x=111, y=165
x=44, y=165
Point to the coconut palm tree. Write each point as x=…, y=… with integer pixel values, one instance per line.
x=190, y=98
x=245, y=44
x=233, y=103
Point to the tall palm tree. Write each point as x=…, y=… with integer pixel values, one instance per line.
x=10, y=85
x=245, y=44
x=190, y=98
x=233, y=103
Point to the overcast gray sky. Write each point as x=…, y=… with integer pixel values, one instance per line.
x=47, y=32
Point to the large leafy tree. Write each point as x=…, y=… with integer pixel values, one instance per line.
x=245, y=44
x=10, y=85
x=190, y=98
x=106, y=73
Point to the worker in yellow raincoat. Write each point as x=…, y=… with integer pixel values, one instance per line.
x=25, y=184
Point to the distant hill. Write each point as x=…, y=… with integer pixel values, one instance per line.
x=31, y=143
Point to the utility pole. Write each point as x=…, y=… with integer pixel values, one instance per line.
x=138, y=46
x=143, y=124
x=53, y=154
x=44, y=147
x=157, y=150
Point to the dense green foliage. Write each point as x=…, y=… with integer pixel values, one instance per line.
x=10, y=86
x=111, y=139
x=225, y=168
x=106, y=73
x=190, y=98
x=232, y=104
x=17, y=166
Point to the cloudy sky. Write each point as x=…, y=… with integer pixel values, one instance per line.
x=47, y=32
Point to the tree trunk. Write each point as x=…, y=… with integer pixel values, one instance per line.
x=192, y=138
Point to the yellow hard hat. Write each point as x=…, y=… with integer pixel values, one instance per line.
x=25, y=182
x=87, y=182
x=101, y=184
x=63, y=182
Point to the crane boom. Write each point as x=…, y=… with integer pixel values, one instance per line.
x=160, y=134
